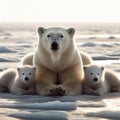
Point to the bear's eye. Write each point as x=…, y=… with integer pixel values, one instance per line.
x=23, y=73
x=91, y=73
x=29, y=73
x=61, y=36
x=48, y=36
x=98, y=73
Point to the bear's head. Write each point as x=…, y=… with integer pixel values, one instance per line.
x=26, y=73
x=55, y=39
x=93, y=74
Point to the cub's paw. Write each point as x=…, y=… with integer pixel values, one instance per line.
x=21, y=92
x=89, y=91
x=58, y=91
x=97, y=93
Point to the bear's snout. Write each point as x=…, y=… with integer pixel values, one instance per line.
x=54, y=46
x=95, y=79
x=26, y=78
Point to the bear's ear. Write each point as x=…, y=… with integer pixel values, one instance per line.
x=71, y=31
x=41, y=30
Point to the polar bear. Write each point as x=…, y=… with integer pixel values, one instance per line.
x=20, y=81
x=95, y=82
x=27, y=59
x=59, y=67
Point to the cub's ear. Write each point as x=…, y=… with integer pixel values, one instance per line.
x=18, y=68
x=34, y=68
x=41, y=30
x=71, y=31
x=84, y=68
x=102, y=68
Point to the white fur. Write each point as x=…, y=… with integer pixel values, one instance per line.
x=15, y=80
x=103, y=84
x=64, y=65
x=54, y=65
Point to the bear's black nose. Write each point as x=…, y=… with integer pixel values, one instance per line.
x=95, y=79
x=26, y=78
x=54, y=46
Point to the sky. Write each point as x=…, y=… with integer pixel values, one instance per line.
x=59, y=10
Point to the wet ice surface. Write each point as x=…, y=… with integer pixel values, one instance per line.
x=102, y=43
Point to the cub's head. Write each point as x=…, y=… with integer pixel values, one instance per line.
x=55, y=39
x=93, y=73
x=26, y=73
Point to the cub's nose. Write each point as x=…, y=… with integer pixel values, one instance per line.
x=54, y=46
x=26, y=78
x=95, y=79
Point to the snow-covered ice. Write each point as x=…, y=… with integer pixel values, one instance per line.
x=20, y=39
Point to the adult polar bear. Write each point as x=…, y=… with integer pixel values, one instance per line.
x=58, y=62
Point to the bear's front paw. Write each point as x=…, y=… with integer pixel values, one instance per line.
x=57, y=91
x=30, y=92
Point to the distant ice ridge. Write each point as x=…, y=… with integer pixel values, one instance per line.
x=95, y=36
x=106, y=62
x=5, y=50
x=94, y=44
x=2, y=33
x=88, y=44
x=7, y=59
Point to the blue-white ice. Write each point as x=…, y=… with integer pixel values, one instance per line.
x=55, y=105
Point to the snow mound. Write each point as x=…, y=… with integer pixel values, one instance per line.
x=55, y=105
x=44, y=115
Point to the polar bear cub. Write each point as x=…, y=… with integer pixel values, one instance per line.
x=20, y=81
x=96, y=83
